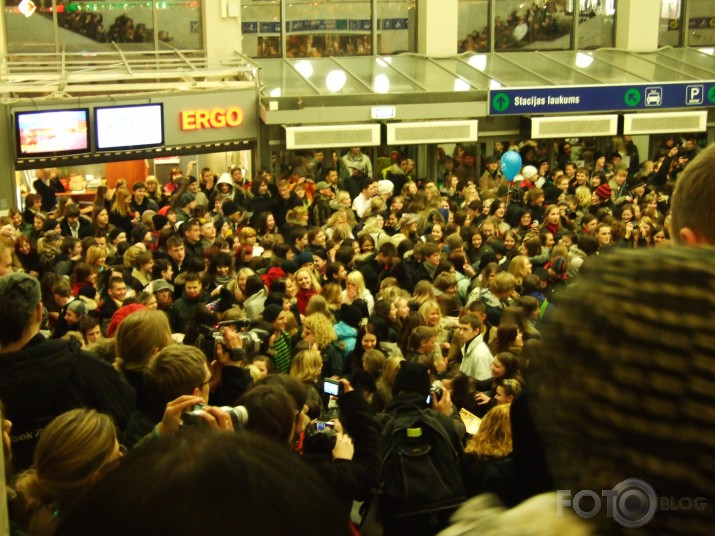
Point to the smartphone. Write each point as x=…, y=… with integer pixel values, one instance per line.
x=322, y=425
x=332, y=387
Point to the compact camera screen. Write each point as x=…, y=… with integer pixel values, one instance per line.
x=332, y=388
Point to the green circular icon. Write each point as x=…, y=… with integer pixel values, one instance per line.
x=711, y=94
x=632, y=97
x=501, y=102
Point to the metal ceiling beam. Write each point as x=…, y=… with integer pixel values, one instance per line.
x=457, y=76
x=348, y=71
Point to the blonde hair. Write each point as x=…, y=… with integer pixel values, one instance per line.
x=342, y=231
x=255, y=373
x=295, y=215
x=94, y=253
x=493, y=440
x=70, y=452
x=311, y=274
x=307, y=366
x=387, y=378
x=356, y=278
x=291, y=323
x=583, y=194
x=517, y=268
x=318, y=304
x=423, y=292
x=139, y=336
x=373, y=361
x=122, y=196
x=427, y=307
x=322, y=328
x=332, y=292
x=131, y=254
x=247, y=232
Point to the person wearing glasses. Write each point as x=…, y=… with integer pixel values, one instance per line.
x=179, y=377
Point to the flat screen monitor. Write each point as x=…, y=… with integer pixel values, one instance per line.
x=52, y=132
x=129, y=127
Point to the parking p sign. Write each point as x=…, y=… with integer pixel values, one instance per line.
x=694, y=94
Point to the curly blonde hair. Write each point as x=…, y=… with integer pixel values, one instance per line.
x=493, y=440
x=322, y=329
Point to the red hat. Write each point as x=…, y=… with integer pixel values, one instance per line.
x=604, y=191
x=120, y=314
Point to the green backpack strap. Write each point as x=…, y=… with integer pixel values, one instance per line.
x=542, y=308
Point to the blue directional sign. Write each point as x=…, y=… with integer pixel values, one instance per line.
x=570, y=99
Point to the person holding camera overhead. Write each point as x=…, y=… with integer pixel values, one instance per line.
x=347, y=459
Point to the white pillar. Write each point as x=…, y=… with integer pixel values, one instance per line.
x=637, y=24
x=437, y=27
x=222, y=27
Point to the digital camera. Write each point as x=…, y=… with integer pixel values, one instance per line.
x=238, y=414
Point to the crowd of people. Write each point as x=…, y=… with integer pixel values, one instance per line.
x=525, y=25
x=123, y=30
x=315, y=312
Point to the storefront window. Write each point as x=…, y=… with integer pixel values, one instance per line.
x=179, y=23
x=328, y=28
x=669, y=28
x=595, y=23
x=396, y=26
x=261, y=28
x=701, y=23
x=92, y=25
x=538, y=25
x=20, y=32
x=473, y=26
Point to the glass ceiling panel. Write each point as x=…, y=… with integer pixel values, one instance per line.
x=328, y=77
x=548, y=66
x=676, y=65
x=377, y=74
x=477, y=79
x=505, y=73
x=639, y=66
x=690, y=57
x=427, y=74
x=281, y=80
x=597, y=71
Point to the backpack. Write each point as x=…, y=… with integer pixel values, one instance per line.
x=421, y=480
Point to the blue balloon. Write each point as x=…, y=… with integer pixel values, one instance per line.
x=510, y=164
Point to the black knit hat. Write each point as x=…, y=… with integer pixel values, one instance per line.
x=351, y=315
x=271, y=312
x=229, y=208
x=159, y=221
x=412, y=377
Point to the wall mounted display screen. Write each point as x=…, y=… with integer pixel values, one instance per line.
x=129, y=127
x=52, y=132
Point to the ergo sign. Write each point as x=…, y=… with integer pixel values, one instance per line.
x=215, y=118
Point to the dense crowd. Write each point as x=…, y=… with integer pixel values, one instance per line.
x=338, y=310
x=122, y=30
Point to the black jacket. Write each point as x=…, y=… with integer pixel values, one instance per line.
x=47, y=378
x=352, y=479
x=184, y=309
x=85, y=228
